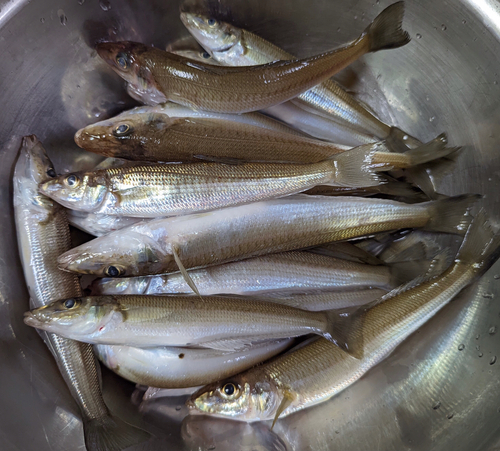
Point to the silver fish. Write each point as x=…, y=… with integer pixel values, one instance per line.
x=98, y=224
x=169, y=367
x=43, y=234
x=295, y=222
x=317, y=371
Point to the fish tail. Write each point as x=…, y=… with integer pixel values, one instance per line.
x=386, y=32
x=400, y=141
x=481, y=246
x=450, y=215
x=404, y=271
x=344, y=328
x=354, y=168
x=109, y=433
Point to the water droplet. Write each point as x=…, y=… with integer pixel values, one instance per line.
x=211, y=448
x=478, y=347
x=493, y=330
x=338, y=30
x=464, y=21
x=337, y=432
x=461, y=347
x=355, y=17
x=178, y=408
x=377, y=2
x=42, y=19
x=437, y=405
x=105, y=5
x=62, y=17
x=443, y=27
x=418, y=35
x=81, y=2
x=431, y=119
x=493, y=360
x=450, y=416
x=477, y=336
x=496, y=276
x=488, y=295
x=480, y=354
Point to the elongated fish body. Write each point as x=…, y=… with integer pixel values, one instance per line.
x=289, y=272
x=169, y=367
x=348, y=121
x=150, y=321
x=43, y=234
x=317, y=371
x=235, y=89
x=255, y=229
x=149, y=191
x=98, y=224
x=158, y=136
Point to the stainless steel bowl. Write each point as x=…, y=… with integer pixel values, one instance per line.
x=428, y=394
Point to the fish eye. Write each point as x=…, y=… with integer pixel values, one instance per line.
x=51, y=172
x=122, y=130
x=229, y=390
x=72, y=180
x=211, y=21
x=122, y=60
x=113, y=271
x=69, y=303
x=205, y=55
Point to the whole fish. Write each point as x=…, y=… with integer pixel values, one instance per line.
x=345, y=118
x=156, y=76
x=43, y=234
x=318, y=371
x=156, y=136
x=98, y=224
x=149, y=321
x=287, y=272
x=151, y=191
x=295, y=222
x=170, y=367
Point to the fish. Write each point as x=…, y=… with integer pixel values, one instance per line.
x=154, y=135
x=226, y=323
x=155, y=75
x=345, y=120
x=98, y=224
x=287, y=272
x=259, y=228
x=43, y=234
x=170, y=367
x=318, y=371
x=157, y=190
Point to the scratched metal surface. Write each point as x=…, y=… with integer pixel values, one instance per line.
x=428, y=394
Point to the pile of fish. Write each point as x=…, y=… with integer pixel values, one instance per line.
x=222, y=255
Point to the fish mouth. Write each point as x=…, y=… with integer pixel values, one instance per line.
x=190, y=19
x=31, y=320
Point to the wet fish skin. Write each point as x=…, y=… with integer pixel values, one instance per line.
x=43, y=234
x=150, y=321
x=169, y=367
x=349, y=120
x=240, y=90
x=96, y=224
x=151, y=191
x=288, y=272
x=260, y=228
x=318, y=371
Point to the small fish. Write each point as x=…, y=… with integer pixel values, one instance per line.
x=344, y=119
x=149, y=321
x=294, y=222
x=288, y=272
x=152, y=191
x=317, y=371
x=170, y=367
x=156, y=76
x=97, y=224
x=43, y=234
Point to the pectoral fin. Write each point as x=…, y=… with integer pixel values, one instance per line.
x=288, y=397
x=184, y=272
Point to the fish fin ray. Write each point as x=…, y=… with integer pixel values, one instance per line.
x=403, y=271
x=184, y=272
x=385, y=32
x=230, y=345
x=288, y=398
x=344, y=328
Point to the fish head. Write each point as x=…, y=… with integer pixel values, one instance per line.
x=121, y=253
x=78, y=190
x=124, y=136
x=197, y=55
x=215, y=36
x=239, y=397
x=128, y=59
x=75, y=316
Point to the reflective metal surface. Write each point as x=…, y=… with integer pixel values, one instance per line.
x=429, y=394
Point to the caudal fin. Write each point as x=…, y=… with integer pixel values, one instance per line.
x=403, y=272
x=450, y=215
x=111, y=434
x=386, y=32
x=400, y=141
x=481, y=245
x=344, y=328
x=354, y=168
